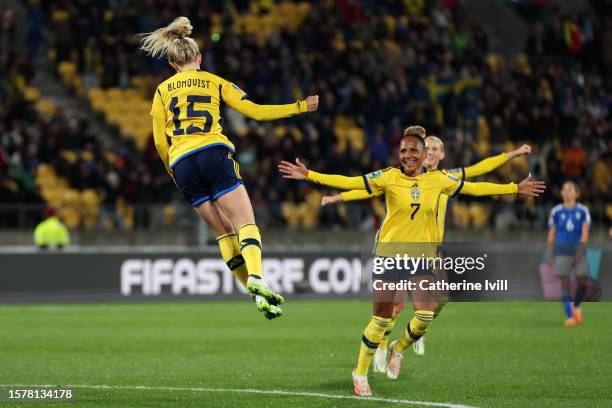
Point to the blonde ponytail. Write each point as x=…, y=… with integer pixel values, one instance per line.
x=171, y=41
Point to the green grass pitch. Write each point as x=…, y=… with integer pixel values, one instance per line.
x=478, y=354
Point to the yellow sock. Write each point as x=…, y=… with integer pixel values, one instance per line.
x=250, y=248
x=415, y=329
x=372, y=335
x=385, y=340
x=230, y=251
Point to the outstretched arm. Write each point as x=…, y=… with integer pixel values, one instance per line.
x=491, y=163
x=235, y=97
x=356, y=195
x=270, y=112
x=353, y=195
x=525, y=187
x=298, y=171
x=486, y=189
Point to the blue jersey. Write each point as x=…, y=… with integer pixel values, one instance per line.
x=568, y=222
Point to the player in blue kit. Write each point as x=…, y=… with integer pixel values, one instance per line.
x=568, y=234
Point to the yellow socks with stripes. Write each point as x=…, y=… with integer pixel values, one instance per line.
x=385, y=340
x=415, y=329
x=230, y=251
x=250, y=248
x=372, y=335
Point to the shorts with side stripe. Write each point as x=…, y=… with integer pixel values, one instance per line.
x=207, y=175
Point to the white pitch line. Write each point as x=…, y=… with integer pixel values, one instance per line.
x=247, y=391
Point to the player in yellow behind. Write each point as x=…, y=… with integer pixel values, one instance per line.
x=409, y=228
x=198, y=155
x=435, y=154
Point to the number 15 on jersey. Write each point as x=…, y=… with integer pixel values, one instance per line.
x=192, y=115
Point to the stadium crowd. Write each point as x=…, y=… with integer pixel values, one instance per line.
x=378, y=66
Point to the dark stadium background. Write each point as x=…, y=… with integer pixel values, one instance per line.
x=76, y=93
x=486, y=76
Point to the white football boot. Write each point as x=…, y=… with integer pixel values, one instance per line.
x=395, y=362
x=419, y=346
x=362, y=387
x=380, y=360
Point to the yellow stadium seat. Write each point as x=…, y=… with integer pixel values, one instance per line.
x=140, y=143
x=46, y=107
x=279, y=131
x=70, y=217
x=169, y=215
x=479, y=214
x=290, y=214
x=70, y=156
x=62, y=183
x=114, y=94
x=77, y=84
x=52, y=196
x=110, y=157
x=140, y=82
x=609, y=211
x=130, y=94
x=67, y=69
x=87, y=155
x=45, y=169
x=90, y=208
x=114, y=117
x=90, y=197
x=31, y=93
x=311, y=209
x=128, y=217
x=95, y=93
x=461, y=215
x=11, y=185
x=45, y=181
x=356, y=136
x=71, y=198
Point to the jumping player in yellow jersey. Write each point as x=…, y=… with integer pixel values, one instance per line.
x=411, y=195
x=435, y=154
x=190, y=141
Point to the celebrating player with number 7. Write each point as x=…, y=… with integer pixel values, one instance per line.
x=411, y=196
x=190, y=141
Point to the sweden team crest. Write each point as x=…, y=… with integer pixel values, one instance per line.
x=415, y=192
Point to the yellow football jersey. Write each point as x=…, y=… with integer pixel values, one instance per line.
x=190, y=104
x=440, y=213
x=412, y=206
x=483, y=167
x=411, y=202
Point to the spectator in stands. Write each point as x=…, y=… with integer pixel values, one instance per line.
x=574, y=160
x=374, y=63
x=51, y=233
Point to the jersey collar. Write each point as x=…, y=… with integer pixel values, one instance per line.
x=424, y=169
